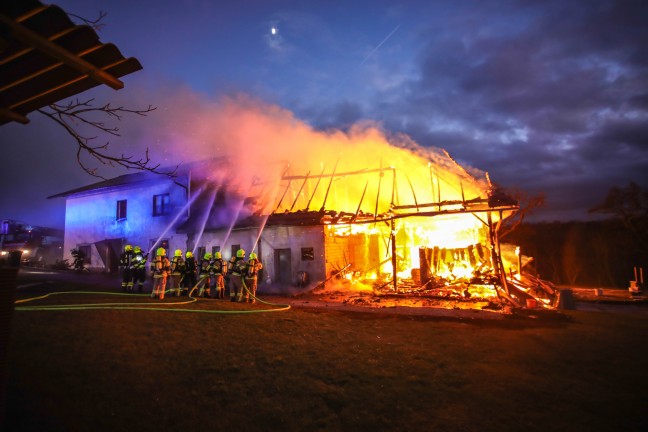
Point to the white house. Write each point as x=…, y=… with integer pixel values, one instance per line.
x=138, y=209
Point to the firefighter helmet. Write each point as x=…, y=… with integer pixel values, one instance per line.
x=137, y=249
x=189, y=254
x=240, y=253
x=218, y=255
x=208, y=256
x=253, y=256
x=128, y=248
x=178, y=252
x=160, y=251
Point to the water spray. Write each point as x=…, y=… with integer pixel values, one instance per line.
x=204, y=221
x=175, y=219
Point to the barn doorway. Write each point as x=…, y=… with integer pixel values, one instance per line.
x=283, y=266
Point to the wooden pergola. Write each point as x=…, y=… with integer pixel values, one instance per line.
x=45, y=57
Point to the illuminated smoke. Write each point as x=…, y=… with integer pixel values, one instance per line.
x=258, y=142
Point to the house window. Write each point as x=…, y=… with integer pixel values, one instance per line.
x=121, y=210
x=201, y=252
x=161, y=204
x=235, y=247
x=308, y=254
x=215, y=249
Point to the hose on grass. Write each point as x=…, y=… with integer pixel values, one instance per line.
x=138, y=306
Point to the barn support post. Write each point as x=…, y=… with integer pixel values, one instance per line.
x=393, y=251
x=496, y=261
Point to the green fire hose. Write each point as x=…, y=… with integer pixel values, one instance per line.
x=169, y=307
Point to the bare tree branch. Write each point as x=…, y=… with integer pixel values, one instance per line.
x=76, y=113
x=97, y=25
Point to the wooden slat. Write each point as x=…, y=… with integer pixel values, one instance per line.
x=37, y=41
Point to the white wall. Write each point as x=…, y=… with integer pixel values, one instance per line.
x=295, y=238
x=273, y=237
x=92, y=218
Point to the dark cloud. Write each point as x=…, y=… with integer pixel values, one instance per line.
x=341, y=115
x=555, y=100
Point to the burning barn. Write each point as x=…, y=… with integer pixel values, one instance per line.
x=355, y=210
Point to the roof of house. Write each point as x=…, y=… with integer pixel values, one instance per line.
x=120, y=182
x=179, y=176
x=45, y=57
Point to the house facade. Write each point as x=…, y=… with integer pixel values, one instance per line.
x=138, y=209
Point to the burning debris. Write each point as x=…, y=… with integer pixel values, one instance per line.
x=441, y=249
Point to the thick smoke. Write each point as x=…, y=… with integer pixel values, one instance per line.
x=257, y=142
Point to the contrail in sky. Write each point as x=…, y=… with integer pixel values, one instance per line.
x=380, y=44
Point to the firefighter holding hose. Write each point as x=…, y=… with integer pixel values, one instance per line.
x=161, y=267
x=177, y=272
x=138, y=268
x=250, y=277
x=228, y=273
x=190, y=274
x=126, y=268
x=236, y=277
x=219, y=268
x=205, y=275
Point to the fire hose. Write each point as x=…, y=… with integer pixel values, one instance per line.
x=140, y=306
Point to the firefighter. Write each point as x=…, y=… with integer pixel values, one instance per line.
x=219, y=268
x=205, y=270
x=160, y=267
x=190, y=275
x=177, y=272
x=138, y=269
x=228, y=274
x=236, y=281
x=250, y=277
x=125, y=266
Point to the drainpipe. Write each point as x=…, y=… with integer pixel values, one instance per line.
x=187, y=188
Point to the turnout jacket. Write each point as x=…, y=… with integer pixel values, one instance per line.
x=177, y=265
x=252, y=269
x=219, y=266
x=126, y=260
x=160, y=266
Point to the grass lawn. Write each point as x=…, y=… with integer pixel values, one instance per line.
x=312, y=369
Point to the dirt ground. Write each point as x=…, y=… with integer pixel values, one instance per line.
x=331, y=362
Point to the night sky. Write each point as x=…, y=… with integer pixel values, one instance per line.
x=546, y=96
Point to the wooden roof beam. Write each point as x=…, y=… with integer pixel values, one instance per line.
x=46, y=69
x=37, y=41
x=30, y=48
x=13, y=116
x=51, y=90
